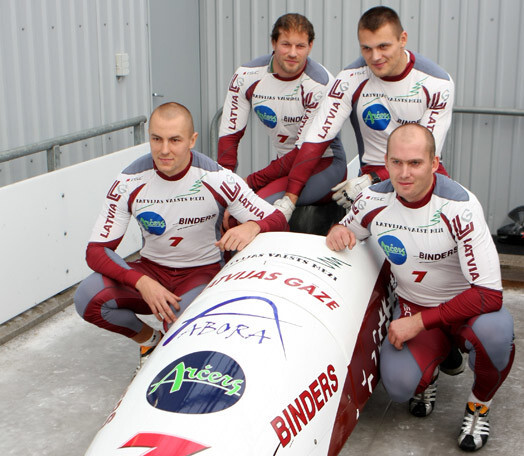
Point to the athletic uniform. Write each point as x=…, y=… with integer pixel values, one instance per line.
x=180, y=219
x=423, y=93
x=446, y=267
x=286, y=108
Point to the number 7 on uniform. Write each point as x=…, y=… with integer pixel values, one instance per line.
x=176, y=241
x=420, y=275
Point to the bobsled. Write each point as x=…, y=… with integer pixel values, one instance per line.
x=277, y=356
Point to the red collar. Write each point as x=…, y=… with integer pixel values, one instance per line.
x=409, y=67
x=281, y=78
x=178, y=176
x=422, y=202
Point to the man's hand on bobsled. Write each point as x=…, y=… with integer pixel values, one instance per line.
x=238, y=237
x=339, y=237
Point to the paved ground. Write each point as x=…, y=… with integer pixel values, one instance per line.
x=61, y=379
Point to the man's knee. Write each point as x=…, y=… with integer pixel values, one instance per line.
x=495, y=332
x=86, y=291
x=399, y=371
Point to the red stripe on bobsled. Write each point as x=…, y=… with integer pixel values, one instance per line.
x=363, y=373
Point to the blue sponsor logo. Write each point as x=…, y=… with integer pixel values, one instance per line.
x=203, y=322
x=376, y=117
x=393, y=248
x=198, y=383
x=267, y=116
x=152, y=222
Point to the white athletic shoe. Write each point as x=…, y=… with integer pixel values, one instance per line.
x=474, y=432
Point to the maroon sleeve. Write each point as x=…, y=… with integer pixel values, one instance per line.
x=101, y=258
x=277, y=168
x=306, y=161
x=228, y=149
x=471, y=302
x=275, y=221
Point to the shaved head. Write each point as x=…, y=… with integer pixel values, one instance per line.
x=411, y=161
x=171, y=137
x=172, y=110
x=409, y=133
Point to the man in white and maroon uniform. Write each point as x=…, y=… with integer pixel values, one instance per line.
x=433, y=233
x=386, y=87
x=178, y=196
x=284, y=90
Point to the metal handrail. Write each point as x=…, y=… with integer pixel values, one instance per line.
x=52, y=146
x=493, y=111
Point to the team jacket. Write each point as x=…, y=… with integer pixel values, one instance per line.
x=179, y=216
x=284, y=106
x=422, y=94
x=440, y=248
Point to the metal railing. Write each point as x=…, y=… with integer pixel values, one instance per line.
x=52, y=146
x=489, y=111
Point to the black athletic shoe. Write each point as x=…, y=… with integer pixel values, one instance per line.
x=475, y=427
x=421, y=405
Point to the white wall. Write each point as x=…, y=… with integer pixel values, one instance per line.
x=45, y=226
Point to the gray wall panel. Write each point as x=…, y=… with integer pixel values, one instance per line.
x=57, y=75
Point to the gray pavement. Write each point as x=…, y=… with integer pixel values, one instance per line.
x=61, y=378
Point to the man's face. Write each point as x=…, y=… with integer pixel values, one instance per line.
x=171, y=141
x=291, y=52
x=383, y=50
x=410, y=167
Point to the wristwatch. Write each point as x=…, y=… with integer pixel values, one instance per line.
x=374, y=178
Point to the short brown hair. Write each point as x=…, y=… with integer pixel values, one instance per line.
x=430, y=139
x=376, y=17
x=295, y=22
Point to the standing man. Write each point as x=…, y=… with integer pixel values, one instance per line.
x=434, y=235
x=284, y=90
x=386, y=87
x=178, y=196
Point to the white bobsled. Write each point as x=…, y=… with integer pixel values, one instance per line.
x=277, y=356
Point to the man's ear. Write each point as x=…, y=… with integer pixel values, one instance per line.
x=193, y=140
x=435, y=164
x=404, y=38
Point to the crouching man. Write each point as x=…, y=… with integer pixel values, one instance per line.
x=434, y=235
x=178, y=196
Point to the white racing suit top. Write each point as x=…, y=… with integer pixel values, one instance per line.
x=180, y=216
x=423, y=94
x=440, y=249
x=285, y=107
